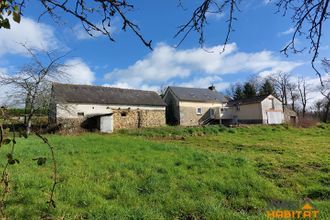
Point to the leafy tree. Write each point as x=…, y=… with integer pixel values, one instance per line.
x=267, y=88
x=238, y=92
x=7, y=9
x=249, y=90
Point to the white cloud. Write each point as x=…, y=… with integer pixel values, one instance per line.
x=266, y=2
x=35, y=35
x=287, y=32
x=196, y=67
x=314, y=85
x=4, y=89
x=215, y=15
x=81, y=33
x=206, y=81
x=78, y=72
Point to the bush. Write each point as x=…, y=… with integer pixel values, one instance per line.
x=307, y=122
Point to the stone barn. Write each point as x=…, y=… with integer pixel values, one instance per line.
x=106, y=109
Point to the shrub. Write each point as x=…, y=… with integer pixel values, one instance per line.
x=307, y=122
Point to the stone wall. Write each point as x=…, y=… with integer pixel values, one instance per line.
x=188, y=112
x=126, y=118
x=70, y=125
x=189, y=117
x=122, y=119
x=290, y=116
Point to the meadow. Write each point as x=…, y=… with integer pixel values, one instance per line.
x=208, y=172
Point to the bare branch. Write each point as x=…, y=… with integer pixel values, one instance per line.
x=106, y=9
x=308, y=19
x=199, y=19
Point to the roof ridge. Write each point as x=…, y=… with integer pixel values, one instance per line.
x=101, y=86
x=183, y=87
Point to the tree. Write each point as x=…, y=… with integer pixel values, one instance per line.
x=266, y=88
x=308, y=18
x=32, y=82
x=325, y=90
x=302, y=88
x=249, y=90
x=281, y=82
x=238, y=92
x=294, y=96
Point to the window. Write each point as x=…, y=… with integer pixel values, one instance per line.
x=123, y=114
x=198, y=111
x=81, y=114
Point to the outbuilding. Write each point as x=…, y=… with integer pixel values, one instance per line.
x=104, y=108
x=265, y=109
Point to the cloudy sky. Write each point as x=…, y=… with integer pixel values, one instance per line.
x=254, y=47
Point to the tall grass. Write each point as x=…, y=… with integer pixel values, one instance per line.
x=213, y=173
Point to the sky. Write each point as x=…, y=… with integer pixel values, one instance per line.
x=254, y=47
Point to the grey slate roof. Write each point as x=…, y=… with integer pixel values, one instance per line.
x=247, y=101
x=86, y=94
x=197, y=94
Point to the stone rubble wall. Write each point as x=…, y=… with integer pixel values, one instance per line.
x=122, y=119
x=70, y=125
x=126, y=119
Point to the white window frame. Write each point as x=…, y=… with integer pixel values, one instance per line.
x=199, y=111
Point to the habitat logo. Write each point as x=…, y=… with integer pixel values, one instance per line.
x=307, y=212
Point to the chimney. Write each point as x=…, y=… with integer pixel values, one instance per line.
x=212, y=87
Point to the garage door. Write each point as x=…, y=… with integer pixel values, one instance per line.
x=275, y=117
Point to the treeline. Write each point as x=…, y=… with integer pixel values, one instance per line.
x=249, y=90
x=17, y=112
x=295, y=92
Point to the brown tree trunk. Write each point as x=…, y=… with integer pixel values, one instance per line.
x=326, y=112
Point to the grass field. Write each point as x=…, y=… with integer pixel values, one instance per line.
x=174, y=173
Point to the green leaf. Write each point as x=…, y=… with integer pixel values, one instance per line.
x=6, y=141
x=5, y=24
x=17, y=17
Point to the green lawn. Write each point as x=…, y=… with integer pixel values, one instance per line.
x=174, y=173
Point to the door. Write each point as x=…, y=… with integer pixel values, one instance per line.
x=293, y=119
x=275, y=117
x=106, y=124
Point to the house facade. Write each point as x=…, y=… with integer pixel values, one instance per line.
x=257, y=110
x=193, y=106
x=104, y=108
x=197, y=106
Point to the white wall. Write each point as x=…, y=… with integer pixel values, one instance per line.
x=72, y=110
x=267, y=106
